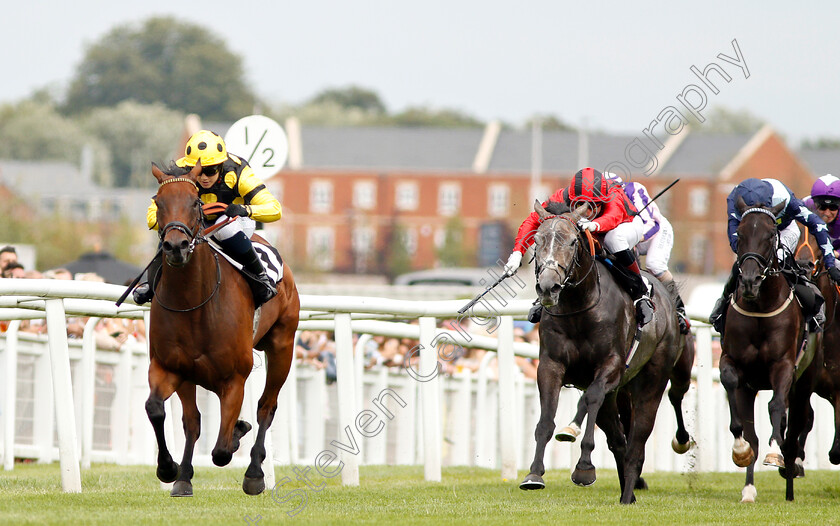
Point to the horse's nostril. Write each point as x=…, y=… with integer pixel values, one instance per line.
x=167, y=246
x=183, y=244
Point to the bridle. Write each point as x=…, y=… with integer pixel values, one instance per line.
x=193, y=233
x=551, y=264
x=196, y=236
x=765, y=264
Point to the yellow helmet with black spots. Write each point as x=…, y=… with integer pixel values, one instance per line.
x=205, y=146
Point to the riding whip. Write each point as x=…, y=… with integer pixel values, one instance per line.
x=658, y=195
x=136, y=280
x=466, y=307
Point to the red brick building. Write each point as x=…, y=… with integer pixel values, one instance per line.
x=351, y=195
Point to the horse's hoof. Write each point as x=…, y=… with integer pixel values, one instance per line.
x=182, y=488
x=799, y=471
x=641, y=484
x=568, y=433
x=774, y=459
x=748, y=494
x=222, y=458
x=532, y=481
x=583, y=477
x=742, y=454
x=680, y=448
x=253, y=486
x=168, y=473
x=834, y=457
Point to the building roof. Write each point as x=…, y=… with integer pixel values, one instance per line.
x=705, y=154
x=451, y=149
x=821, y=162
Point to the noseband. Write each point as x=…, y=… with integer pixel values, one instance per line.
x=765, y=264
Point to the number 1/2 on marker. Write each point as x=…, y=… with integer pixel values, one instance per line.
x=256, y=145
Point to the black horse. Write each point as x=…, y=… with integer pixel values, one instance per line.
x=763, y=348
x=588, y=326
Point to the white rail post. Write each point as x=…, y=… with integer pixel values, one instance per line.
x=71, y=479
x=430, y=392
x=507, y=394
x=346, y=397
x=11, y=395
x=88, y=380
x=706, y=421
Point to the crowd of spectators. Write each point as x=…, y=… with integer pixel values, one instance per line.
x=317, y=349
x=111, y=333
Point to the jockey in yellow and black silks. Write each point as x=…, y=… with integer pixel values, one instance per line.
x=225, y=178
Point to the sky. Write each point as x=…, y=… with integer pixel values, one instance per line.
x=612, y=66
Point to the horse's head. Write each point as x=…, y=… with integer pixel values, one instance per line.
x=758, y=242
x=178, y=213
x=557, y=247
x=807, y=256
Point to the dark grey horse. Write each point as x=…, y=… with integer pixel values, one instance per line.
x=587, y=328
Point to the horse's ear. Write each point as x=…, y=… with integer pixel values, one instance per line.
x=740, y=205
x=195, y=172
x=158, y=173
x=581, y=210
x=538, y=208
x=778, y=208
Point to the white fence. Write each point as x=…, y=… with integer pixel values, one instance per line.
x=381, y=416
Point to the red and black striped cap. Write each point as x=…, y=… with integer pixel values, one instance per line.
x=589, y=185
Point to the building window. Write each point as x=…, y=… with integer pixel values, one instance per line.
x=320, y=246
x=698, y=201
x=498, y=200
x=697, y=249
x=320, y=196
x=449, y=199
x=363, y=238
x=407, y=196
x=364, y=195
x=275, y=186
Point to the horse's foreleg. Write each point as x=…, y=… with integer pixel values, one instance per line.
x=645, y=403
x=549, y=380
x=800, y=418
x=584, y=472
x=745, y=400
x=277, y=370
x=192, y=429
x=161, y=385
x=781, y=378
x=231, y=429
x=742, y=454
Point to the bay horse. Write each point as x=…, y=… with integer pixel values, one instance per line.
x=202, y=333
x=587, y=328
x=763, y=349
x=809, y=257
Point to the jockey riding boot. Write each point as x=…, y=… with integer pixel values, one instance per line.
x=240, y=248
x=145, y=291
x=718, y=316
x=670, y=285
x=638, y=287
x=535, y=314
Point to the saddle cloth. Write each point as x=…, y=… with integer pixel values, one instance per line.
x=270, y=258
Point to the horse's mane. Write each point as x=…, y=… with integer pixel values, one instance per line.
x=557, y=208
x=175, y=170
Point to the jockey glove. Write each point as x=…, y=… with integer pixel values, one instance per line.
x=513, y=263
x=834, y=274
x=234, y=210
x=592, y=226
